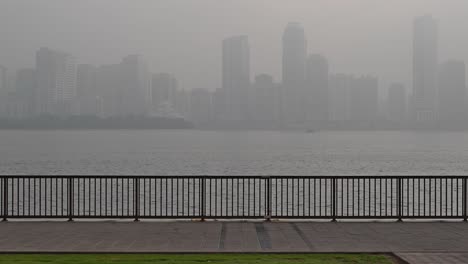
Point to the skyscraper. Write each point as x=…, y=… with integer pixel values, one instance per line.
x=236, y=78
x=200, y=106
x=425, y=63
x=452, y=92
x=86, y=90
x=164, y=88
x=397, y=103
x=3, y=90
x=26, y=88
x=56, y=82
x=340, y=87
x=3, y=78
x=364, y=99
x=136, y=86
x=294, y=68
x=265, y=101
x=109, y=86
x=317, y=94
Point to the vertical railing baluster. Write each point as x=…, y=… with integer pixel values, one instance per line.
x=334, y=199
x=464, y=203
x=136, y=190
x=5, y=199
x=203, y=199
x=399, y=199
x=269, y=199
x=70, y=199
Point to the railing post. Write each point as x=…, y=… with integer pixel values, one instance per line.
x=5, y=198
x=269, y=200
x=399, y=199
x=136, y=188
x=203, y=199
x=70, y=199
x=334, y=200
x=464, y=202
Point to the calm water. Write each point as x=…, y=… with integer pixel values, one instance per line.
x=194, y=152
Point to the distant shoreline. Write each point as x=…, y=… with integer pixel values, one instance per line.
x=93, y=123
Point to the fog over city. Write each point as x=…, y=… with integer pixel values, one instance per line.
x=249, y=63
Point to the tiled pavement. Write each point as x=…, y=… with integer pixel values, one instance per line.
x=435, y=258
x=432, y=241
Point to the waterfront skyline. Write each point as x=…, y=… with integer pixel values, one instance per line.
x=308, y=94
x=184, y=36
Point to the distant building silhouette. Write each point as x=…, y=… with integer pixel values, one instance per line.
x=88, y=100
x=26, y=89
x=340, y=86
x=364, y=99
x=425, y=63
x=200, y=107
x=136, y=83
x=108, y=79
x=397, y=104
x=182, y=103
x=452, y=92
x=164, y=88
x=219, y=105
x=3, y=90
x=317, y=90
x=236, y=78
x=294, y=68
x=56, y=82
x=265, y=101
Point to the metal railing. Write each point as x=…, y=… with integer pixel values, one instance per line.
x=209, y=197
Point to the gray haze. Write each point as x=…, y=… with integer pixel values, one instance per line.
x=183, y=36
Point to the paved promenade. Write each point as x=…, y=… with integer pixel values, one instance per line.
x=412, y=241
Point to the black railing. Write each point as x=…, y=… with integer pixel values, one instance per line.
x=208, y=197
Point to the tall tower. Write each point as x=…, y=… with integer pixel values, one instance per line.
x=294, y=68
x=452, y=92
x=3, y=90
x=236, y=78
x=136, y=86
x=56, y=82
x=396, y=103
x=317, y=94
x=424, y=100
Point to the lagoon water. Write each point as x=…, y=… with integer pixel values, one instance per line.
x=194, y=152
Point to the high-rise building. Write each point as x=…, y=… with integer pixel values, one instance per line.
x=86, y=90
x=236, y=78
x=108, y=83
x=26, y=89
x=164, y=87
x=182, y=102
x=56, y=82
x=3, y=90
x=265, y=101
x=397, y=103
x=3, y=78
x=136, y=86
x=294, y=69
x=339, y=104
x=317, y=93
x=425, y=63
x=200, y=106
x=452, y=91
x=364, y=99
x=219, y=105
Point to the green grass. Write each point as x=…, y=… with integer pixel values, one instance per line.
x=193, y=258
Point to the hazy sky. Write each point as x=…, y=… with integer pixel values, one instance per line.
x=184, y=36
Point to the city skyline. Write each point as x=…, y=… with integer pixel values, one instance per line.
x=308, y=94
x=184, y=36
